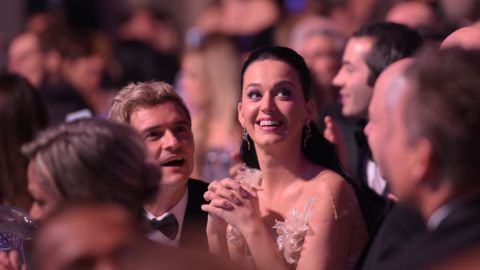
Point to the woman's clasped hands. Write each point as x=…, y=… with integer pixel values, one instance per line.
x=233, y=202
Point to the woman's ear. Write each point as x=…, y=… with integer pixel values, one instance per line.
x=311, y=111
x=240, y=115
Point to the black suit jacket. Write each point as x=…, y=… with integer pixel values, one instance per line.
x=399, y=227
x=193, y=235
x=457, y=233
x=195, y=221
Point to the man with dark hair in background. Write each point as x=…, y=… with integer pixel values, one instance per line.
x=370, y=50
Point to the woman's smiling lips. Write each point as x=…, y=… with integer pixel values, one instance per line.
x=269, y=124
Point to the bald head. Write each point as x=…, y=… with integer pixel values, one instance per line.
x=391, y=83
x=465, y=37
x=388, y=92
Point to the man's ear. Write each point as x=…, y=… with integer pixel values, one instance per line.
x=239, y=112
x=423, y=163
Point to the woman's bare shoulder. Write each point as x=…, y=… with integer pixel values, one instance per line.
x=328, y=180
x=334, y=195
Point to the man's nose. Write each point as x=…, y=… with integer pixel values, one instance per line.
x=367, y=129
x=338, y=79
x=169, y=140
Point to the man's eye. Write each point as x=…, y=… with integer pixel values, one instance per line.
x=349, y=69
x=153, y=135
x=181, y=129
x=39, y=202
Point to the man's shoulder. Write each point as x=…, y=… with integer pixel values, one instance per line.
x=196, y=186
x=196, y=189
x=457, y=233
x=195, y=222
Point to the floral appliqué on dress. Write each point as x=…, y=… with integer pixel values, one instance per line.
x=292, y=231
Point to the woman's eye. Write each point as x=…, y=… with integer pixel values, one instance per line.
x=254, y=95
x=284, y=93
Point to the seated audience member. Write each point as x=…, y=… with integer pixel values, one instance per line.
x=84, y=160
x=79, y=88
x=466, y=37
x=148, y=45
x=414, y=14
x=459, y=13
x=319, y=42
x=401, y=224
x=161, y=117
x=92, y=235
x=434, y=133
x=26, y=58
x=368, y=52
x=209, y=84
x=22, y=115
x=89, y=159
x=302, y=214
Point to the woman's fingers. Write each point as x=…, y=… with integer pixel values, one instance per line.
x=247, y=192
x=9, y=261
x=214, y=210
x=229, y=194
x=13, y=258
x=208, y=195
x=226, y=183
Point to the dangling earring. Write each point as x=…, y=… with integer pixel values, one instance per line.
x=245, y=138
x=308, y=135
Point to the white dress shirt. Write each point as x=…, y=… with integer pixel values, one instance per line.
x=179, y=212
x=374, y=179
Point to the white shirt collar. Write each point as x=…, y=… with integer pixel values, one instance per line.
x=178, y=211
x=374, y=180
x=443, y=212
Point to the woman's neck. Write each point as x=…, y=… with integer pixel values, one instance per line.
x=280, y=168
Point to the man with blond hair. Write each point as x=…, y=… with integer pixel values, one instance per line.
x=158, y=113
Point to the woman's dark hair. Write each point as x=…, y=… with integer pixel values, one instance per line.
x=22, y=115
x=317, y=149
x=285, y=55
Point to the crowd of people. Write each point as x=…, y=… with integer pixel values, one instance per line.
x=329, y=135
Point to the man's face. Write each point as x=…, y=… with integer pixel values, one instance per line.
x=387, y=137
x=379, y=127
x=322, y=58
x=25, y=57
x=352, y=78
x=86, y=239
x=169, y=139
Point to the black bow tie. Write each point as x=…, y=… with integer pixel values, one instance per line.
x=167, y=225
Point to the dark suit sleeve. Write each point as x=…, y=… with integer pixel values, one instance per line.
x=400, y=226
x=195, y=222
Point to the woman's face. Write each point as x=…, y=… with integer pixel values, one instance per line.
x=192, y=82
x=44, y=202
x=273, y=108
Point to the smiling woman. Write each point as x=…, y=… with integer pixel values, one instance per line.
x=301, y=177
